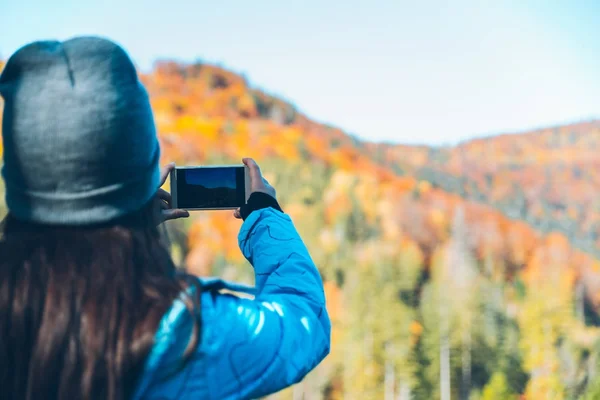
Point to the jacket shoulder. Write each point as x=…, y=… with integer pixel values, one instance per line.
x=175, y=329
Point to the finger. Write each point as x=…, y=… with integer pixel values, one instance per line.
x=165, y=171
x=237, y=214
x=164, y=205
x=253, y=170
x=164, y=195
x=175, y=214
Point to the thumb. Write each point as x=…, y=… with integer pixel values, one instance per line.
x=253, y=170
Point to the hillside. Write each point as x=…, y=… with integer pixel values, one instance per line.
x=399, y=251
x=549, y=178
x=422, y=275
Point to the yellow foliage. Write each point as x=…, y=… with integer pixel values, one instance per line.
x=185, y=123
x=390, y=229
x=545, y=316
x=498, y=388
x=210, y=106
x=238, y=89
x=411, y=253
x=367, y=194
x=342, y=181
x=317, y=147
x=285, y=150
x=295, y=211
x=247, y=106
x=439, y=221
x=424, y=187
x=199, y=261
x=405, y=184
x=291, y=135
x=415, y=328
x=336, y=205
x=241, y=127
x=333, y=297
x=341, y=159
x=384, y=208
x=209, y=129
x=547, y=386
x=329, y=241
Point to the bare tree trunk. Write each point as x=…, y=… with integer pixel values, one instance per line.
x=465, y=389
x=444, y=368
x=368, y=352
x=388, y=382
x=404, y=391
x=445, y=384
x=490, y=304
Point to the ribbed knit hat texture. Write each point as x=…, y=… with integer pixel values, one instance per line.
x=80, y=145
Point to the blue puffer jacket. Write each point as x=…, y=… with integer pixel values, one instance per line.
x=249, y=347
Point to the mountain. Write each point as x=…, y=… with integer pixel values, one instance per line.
x=546, y=178
x=492, y=239
x=549, y=178
x=443, y=271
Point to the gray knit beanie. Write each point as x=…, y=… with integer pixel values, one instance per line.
x=80, y=145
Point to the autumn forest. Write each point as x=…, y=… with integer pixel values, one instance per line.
x=467, y=272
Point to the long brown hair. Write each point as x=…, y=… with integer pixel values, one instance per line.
x=79, y=306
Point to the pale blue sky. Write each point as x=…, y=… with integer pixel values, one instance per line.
x=403, y=71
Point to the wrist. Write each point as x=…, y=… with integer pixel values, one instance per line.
x=258, y=201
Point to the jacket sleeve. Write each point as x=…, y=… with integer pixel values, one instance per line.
x=275, y=339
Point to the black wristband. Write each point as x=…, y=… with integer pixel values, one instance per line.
x=258, y=201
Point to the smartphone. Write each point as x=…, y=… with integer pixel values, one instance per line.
x=220, y=187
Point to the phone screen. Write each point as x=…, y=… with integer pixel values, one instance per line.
x=211, y=187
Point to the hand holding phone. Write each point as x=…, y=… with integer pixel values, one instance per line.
x=217, y=187
x=256, y=182
x=165, y=208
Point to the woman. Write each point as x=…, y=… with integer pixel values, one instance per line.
x=91, y=306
